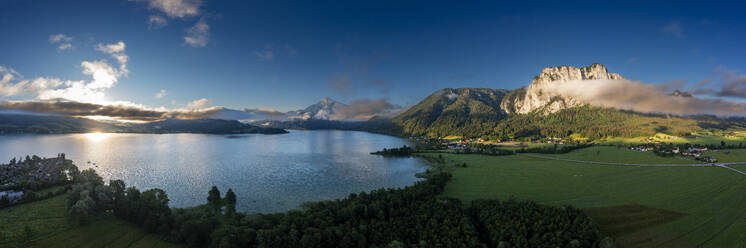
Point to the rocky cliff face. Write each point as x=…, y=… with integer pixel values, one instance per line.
x=536, y=98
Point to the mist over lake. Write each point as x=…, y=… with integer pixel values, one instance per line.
x=268, y=173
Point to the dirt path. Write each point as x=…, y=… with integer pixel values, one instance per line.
x=722, y=165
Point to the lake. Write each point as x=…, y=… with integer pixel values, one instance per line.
x=268, y=173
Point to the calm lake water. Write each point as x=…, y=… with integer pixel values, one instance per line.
x=268, y=173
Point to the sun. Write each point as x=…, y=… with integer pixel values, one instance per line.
x=97, y=136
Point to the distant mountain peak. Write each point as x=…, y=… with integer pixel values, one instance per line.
x=677, y=92
x=322, y=110
x=565, y=73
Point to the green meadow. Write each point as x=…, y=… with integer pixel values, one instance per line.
x=638, y=206
x=622, y=155
x=734, y=137
x=728, y=155
x=50, y=226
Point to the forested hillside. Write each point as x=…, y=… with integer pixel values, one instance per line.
x=465, y=111
x=593, y=122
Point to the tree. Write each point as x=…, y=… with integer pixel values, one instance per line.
x=214, y=198
x=82, y=210
x=230, y=202
x=89, y=176
x=117, y=189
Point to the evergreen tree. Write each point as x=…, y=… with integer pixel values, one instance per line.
x=214, y=198
x=230, y=202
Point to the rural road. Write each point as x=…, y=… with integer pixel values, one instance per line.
x=723, y=165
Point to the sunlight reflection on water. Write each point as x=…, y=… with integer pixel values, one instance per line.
x=269, y=173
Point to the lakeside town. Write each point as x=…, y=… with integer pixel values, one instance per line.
x=19, y=177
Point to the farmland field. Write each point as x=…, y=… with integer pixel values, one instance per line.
x=728, y=155
x=50, y=225
x=692, y=205
x=621, y=155
x=697, y=138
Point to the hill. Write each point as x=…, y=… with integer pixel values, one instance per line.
x=211, y=126
x=465, y=111
x=49, y=124
x=533, y=111
x=53, y=124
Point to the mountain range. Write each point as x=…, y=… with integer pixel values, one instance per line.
x=537, y=110
x=532, y=111
x=50, y=124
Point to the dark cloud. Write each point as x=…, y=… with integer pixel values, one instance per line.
x=73, y=108
x=342, y=84
x=359, y=70
x=732, y=84
x=249, y=114
x=364, y=109
x=672, y=85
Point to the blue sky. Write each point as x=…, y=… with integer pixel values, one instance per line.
x=286, y=55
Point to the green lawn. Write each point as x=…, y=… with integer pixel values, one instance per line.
x=622, y=155
x=50, y=225
x=709, y=203
x=697, y=138
x=728, y=155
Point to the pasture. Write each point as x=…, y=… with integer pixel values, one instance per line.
x=670, y=206
x=50, y=227
x=728, y=155
x=621, y=155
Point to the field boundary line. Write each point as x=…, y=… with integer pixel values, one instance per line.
x=722, y=165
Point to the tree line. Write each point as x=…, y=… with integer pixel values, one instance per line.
x=413, y=216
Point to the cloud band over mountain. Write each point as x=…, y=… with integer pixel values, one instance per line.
x=641, y=97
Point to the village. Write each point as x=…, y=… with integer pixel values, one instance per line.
x=695, y=152
x=32, y=173
x=479, y=144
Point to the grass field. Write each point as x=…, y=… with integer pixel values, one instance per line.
x=623, y=155
x=692, y=206
x=50, y=225
x=728, y=155
x=696, y=138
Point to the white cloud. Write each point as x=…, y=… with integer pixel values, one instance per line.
x=56, y=38
x=198, y=34
x=674, y=28
x=7, y=75
x=112, y=48
x=63, y=39
x=160, y=94
x=175, y=8
x=198, y=104
x=64, y=46
x=640, y=97
x=156, y=22
x=104, y=76
x=12, y=83
x=117, y=52
x=268, y=53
